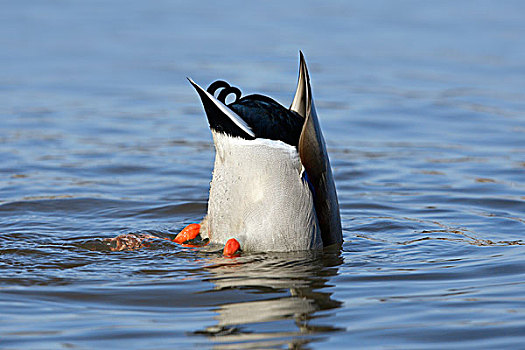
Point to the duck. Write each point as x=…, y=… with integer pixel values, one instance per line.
x=272, y=187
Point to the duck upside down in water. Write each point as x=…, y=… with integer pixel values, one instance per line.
x=272, y=187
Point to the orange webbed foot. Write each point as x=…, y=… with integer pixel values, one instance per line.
x=232, y=248
x=188, y=233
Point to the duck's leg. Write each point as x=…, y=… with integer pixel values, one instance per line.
x=232, y=248
x=188, y=233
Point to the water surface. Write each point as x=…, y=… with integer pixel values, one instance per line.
x=422, y=107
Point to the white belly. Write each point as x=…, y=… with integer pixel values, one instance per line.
x=258, y=196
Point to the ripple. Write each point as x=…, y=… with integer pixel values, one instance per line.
x=101, y=135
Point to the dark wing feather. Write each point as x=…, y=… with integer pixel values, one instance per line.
x=268, y=119
x=314, y=157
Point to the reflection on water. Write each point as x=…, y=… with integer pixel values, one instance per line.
x=289, y=289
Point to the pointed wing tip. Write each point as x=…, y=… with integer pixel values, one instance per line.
x=194, y=84
x=206, y=96
x=199, y=89
x=302, y=61
x=304, y=67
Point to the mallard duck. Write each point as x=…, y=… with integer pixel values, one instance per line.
x=272, y=187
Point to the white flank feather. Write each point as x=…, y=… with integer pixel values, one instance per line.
x=257, y=196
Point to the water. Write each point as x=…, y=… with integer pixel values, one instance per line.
x=422, y=106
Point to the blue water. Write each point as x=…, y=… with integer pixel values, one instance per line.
x=422, y=107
